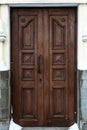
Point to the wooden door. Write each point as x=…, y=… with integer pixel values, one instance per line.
x=43, y=63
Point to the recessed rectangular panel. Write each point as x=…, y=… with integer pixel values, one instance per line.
x=27, y=30
x=58, y=31
x=28, y=58
x=58, y=102
x=28, y=101
x=58, y=74
x=28, y=74
x=58, y=58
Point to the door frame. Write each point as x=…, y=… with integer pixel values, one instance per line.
x=53, y=5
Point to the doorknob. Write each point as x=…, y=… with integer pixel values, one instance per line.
x=38, y=64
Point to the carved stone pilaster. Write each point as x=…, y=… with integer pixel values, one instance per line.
x=2, y=40
x=2, y=34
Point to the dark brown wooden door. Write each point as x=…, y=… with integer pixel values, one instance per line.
x=43, y=66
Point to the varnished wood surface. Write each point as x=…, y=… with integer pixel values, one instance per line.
x=43, y=62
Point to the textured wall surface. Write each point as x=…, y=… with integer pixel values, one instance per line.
x=4, y=101
x=83, y=100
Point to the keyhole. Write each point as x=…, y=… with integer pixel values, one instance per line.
x=40, y=80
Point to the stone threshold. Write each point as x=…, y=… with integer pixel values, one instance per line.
x=45, y=128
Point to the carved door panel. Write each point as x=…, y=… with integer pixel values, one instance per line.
x=43, y=64
x=59, y=40
x=26, y=51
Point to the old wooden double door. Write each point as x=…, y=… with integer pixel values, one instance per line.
x=43, y=66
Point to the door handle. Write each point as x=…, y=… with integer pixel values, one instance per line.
x=38, y=64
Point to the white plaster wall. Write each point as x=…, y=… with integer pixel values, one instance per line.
x=4, y=16
x=82, y=30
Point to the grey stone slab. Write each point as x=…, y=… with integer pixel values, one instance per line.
x=4, y=100
x=4, y=125
x=84, y=74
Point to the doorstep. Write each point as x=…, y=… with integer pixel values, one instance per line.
x=45, y=128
